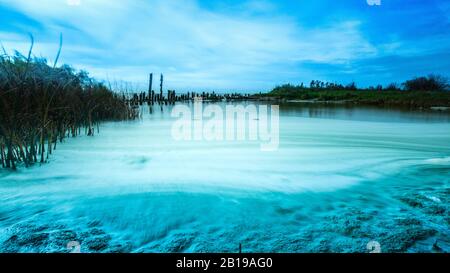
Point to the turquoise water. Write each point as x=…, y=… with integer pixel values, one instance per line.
x=341, y=178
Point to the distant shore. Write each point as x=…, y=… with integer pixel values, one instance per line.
x=436, y=101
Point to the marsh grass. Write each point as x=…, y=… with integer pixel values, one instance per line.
x=42, y=104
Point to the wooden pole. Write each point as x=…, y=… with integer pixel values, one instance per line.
x=161, y=87
x=150, y=87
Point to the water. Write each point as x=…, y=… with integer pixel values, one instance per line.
x=341, y=178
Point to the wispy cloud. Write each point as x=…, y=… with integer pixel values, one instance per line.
x=250, y=48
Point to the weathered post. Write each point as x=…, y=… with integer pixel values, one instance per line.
x=150, y=97
x=161, y=87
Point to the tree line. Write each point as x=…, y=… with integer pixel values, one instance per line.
x=427, y=83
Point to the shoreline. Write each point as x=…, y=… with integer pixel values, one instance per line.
x=435, y=108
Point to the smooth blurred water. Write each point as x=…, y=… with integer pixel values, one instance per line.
x=341, y=178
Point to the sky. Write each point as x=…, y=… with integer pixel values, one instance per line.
x=235, y=45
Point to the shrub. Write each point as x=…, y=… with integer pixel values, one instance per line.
x=430, y=83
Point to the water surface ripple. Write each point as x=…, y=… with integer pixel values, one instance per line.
x=341, y=178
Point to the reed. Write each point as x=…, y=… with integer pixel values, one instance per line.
x=41, y=104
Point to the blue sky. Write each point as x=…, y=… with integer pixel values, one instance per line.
x=233, y=45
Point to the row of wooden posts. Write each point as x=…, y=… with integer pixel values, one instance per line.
x=151, y=97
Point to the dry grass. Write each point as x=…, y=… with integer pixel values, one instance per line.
x=41, y=104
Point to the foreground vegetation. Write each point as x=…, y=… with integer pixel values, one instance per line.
x=41, y=104
x=419, y=92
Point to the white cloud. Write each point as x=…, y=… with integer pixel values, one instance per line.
x=197, y=48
